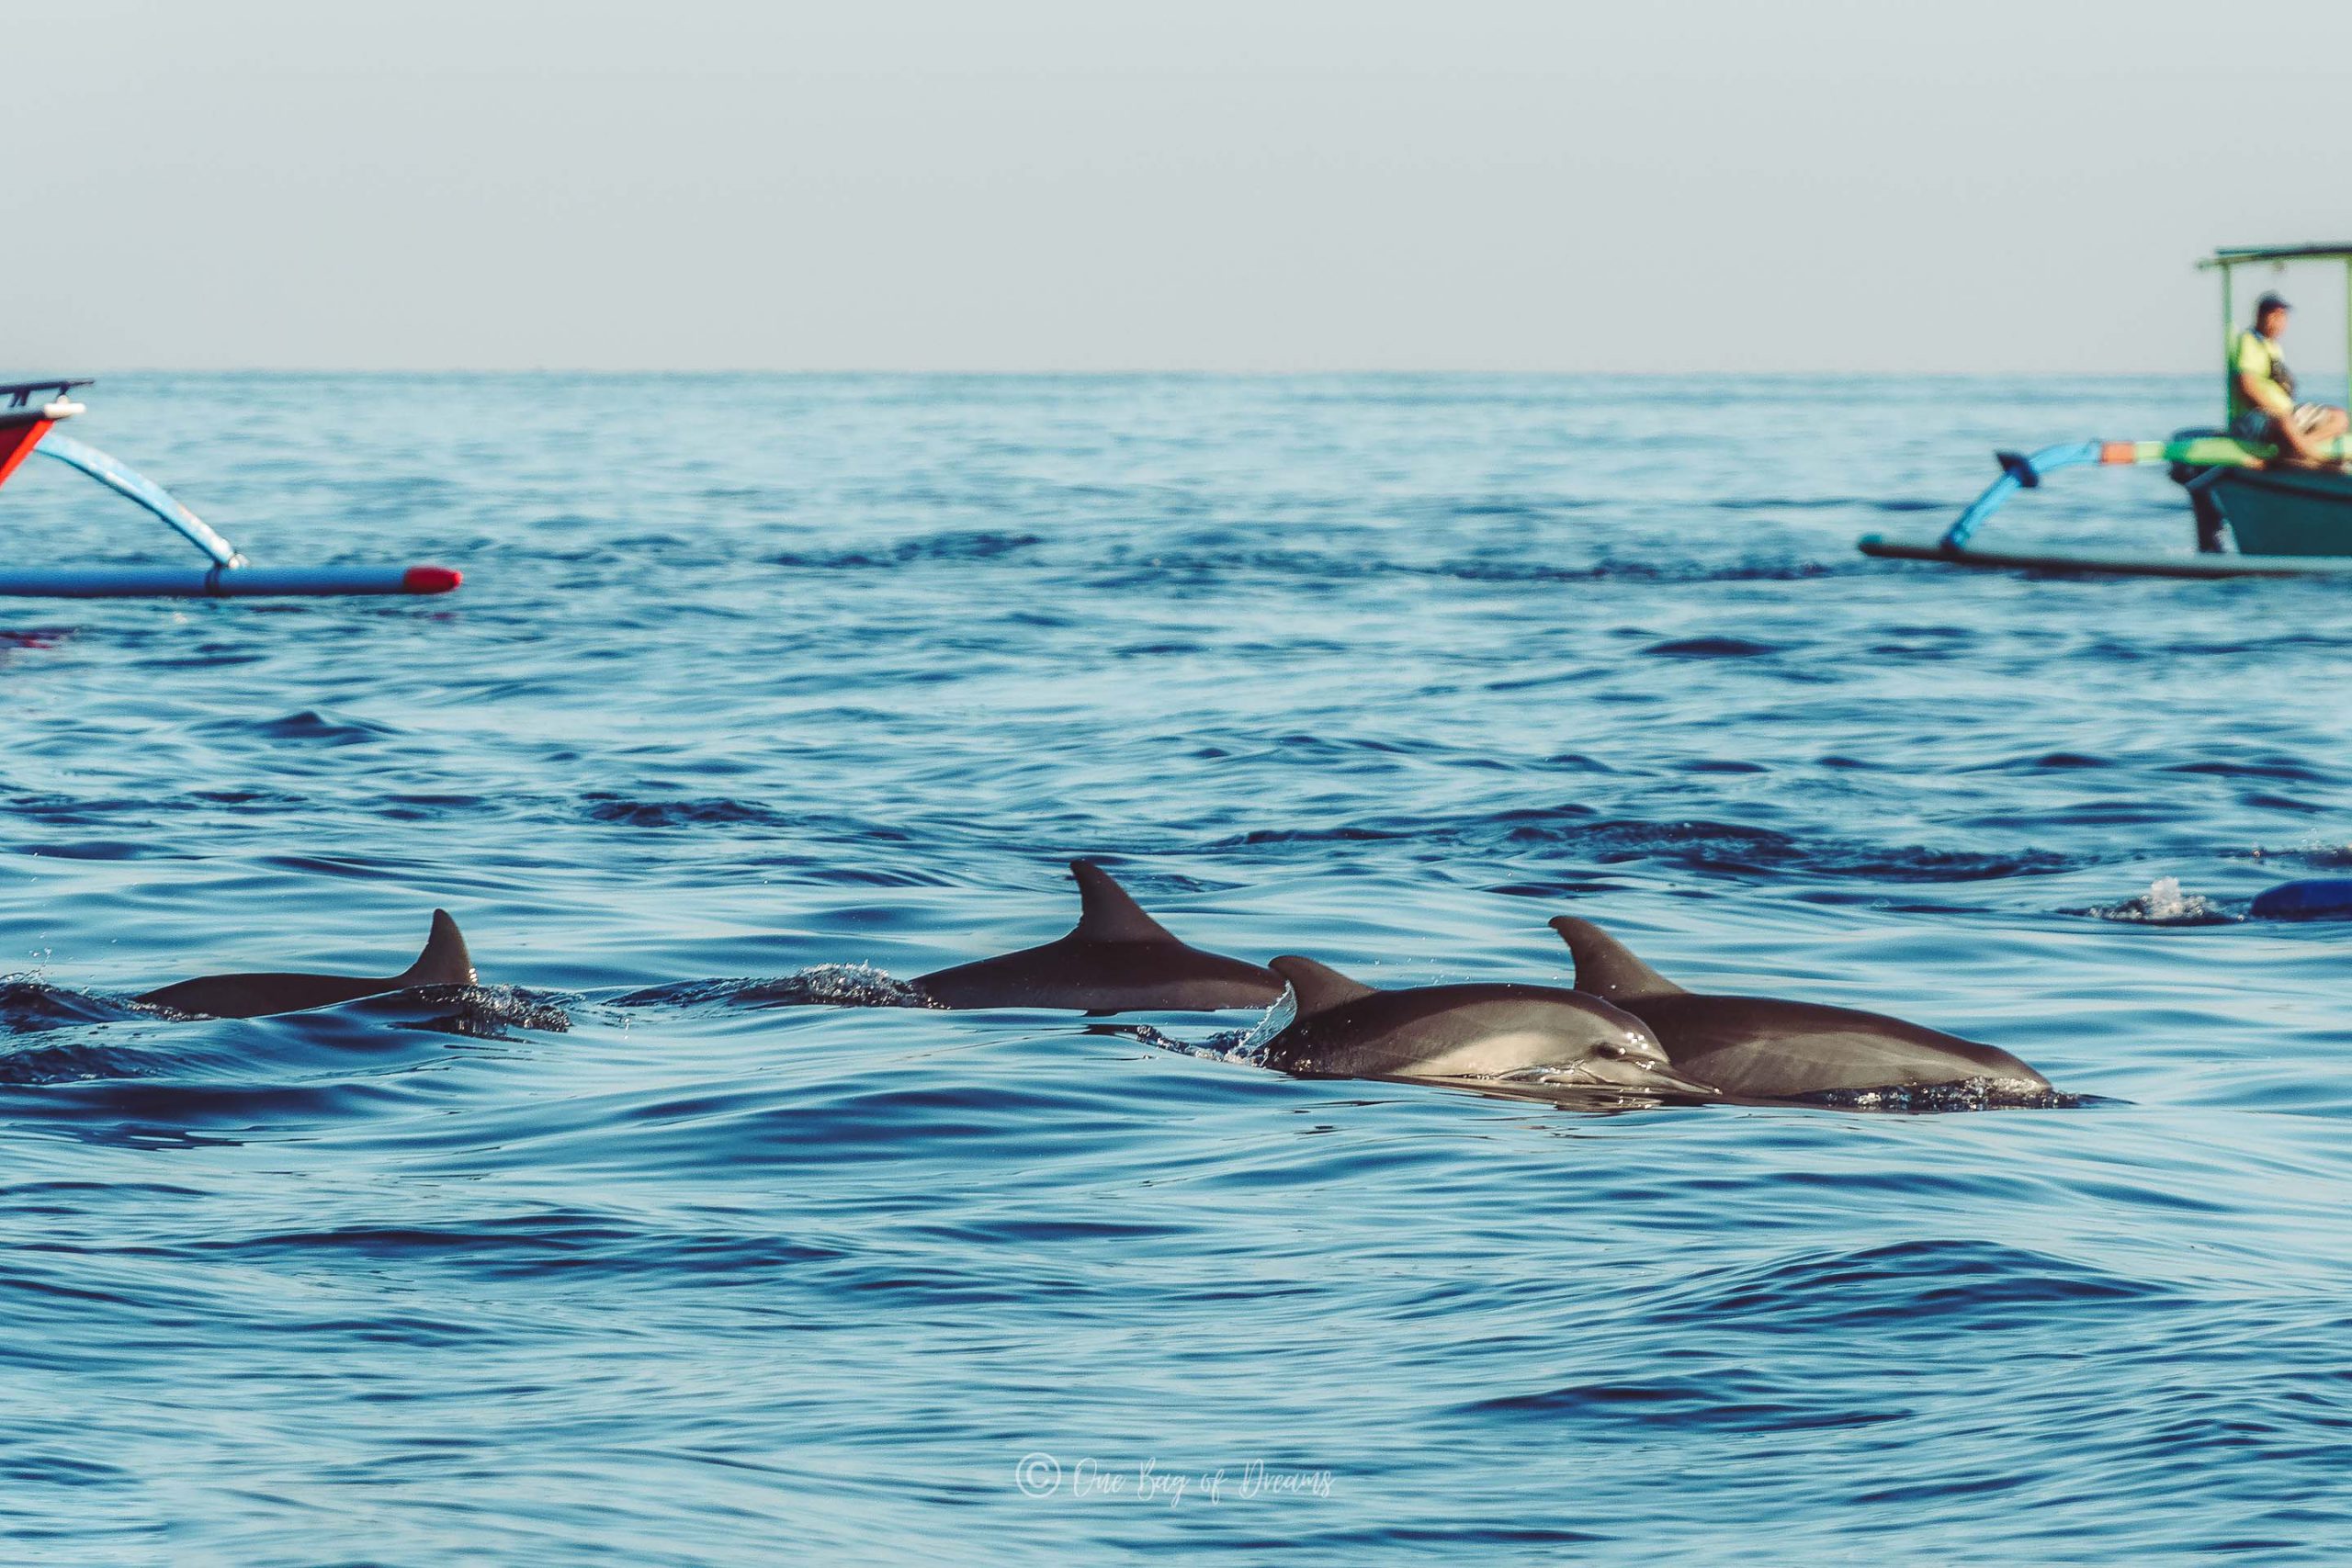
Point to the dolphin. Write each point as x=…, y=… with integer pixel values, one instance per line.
x=444, y=961
x=1535, y=1035
x=1761, y=1048
x=1118, y=959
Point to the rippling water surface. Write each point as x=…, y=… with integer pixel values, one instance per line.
x=636, y=1256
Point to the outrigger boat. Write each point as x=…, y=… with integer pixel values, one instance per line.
x=2287, y=519
x=28, y=426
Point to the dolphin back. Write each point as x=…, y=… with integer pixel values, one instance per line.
x=444, y=961
x=1462, y=1030
x=1104, y=977
x=1116, y=959
x=1765, y=1048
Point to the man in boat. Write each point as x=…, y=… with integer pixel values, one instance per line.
x=2263, y=410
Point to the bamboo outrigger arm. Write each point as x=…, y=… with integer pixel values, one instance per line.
x=143, y=490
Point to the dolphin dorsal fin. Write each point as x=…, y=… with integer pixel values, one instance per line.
x=1606, y=968
x=445, y=961
x=1318, y=987
x=1106, y=913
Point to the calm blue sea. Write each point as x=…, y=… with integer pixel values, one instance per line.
x=756, y=679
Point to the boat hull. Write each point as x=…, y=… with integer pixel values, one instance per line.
x=2284, y=512
x=20, y=431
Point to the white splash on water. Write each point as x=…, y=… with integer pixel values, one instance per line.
x=2163, y=903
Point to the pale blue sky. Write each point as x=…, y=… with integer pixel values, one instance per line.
x=1271, y=184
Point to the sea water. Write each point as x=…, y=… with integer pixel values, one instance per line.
x=765, y=694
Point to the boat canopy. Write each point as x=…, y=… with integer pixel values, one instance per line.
x=2229, y=258
x=19, y=394
x=2235, y=255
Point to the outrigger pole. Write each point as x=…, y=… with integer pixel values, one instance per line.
x=25, y=428
x=2026, y=472
x=2210, y=453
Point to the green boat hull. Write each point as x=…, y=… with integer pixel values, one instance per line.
x=2286, y=512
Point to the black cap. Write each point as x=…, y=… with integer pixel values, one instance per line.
x=2269, y=303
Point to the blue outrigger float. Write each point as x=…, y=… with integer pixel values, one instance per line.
x=2286, y=519
x=28, y=426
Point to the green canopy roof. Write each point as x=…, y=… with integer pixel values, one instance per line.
x=2231, y=255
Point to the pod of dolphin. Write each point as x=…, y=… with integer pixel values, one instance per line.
x=1622, y=1029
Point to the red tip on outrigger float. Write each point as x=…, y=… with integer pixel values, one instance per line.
x=26, y=427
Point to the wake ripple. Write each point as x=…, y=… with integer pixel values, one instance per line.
x=1929, y=1100
x=826, y=985
x=27, y=1007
